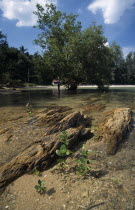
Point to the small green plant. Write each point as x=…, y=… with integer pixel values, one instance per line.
x=36, y=172
x=40, y=188
x=63, y=151
x=83, y=162
x=65, y=137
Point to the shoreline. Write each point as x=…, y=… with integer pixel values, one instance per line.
x=11, y=90
x=89, y=86
x=109, y=86
x=82, y=86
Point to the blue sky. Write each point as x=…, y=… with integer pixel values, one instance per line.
x=116, y=16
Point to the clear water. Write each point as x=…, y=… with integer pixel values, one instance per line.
x=13, y=105
x=42, y=97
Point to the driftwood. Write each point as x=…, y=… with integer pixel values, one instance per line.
x=115, y=128
x=42, y=153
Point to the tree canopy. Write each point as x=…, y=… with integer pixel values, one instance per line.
x=59, y=39
x=69, y=54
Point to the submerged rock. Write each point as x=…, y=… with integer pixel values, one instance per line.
x=52, y=116
x=115, y=127
x=72, y=120
x=42, y=153
x=95, y=107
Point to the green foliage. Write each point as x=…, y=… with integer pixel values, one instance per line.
x=59, y=38
x=40, y=188
x=36, y=172
x=119, y=72
x=65, y=138
x=69, y=54
x=16, y=65
x=3, y=39
x=96, y=56
x=42, y=72
x=83, y=163
x=63, y=152
x=130, y=66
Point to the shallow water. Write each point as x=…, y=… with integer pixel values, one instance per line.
x=115, y=190
x=42, y=97
x=21, y=133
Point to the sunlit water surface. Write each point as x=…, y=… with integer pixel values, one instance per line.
x=43, y=97
x=13, y=105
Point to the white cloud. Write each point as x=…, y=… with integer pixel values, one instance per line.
x=112, y=10
x=22, y=10
x=127, y=50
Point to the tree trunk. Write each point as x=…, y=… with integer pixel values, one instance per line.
x=73, y=86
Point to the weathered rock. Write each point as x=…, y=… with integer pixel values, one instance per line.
x=72, y=120
x=52, y=116
x=48, y=120
x=114, y=129
x=42, y=153
x=59, y=109
x=39, y=155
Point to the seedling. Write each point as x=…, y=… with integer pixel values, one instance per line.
x=83, y=162
x=63, y=151
x=36, y=172
x=40, y=188
x=65, y=138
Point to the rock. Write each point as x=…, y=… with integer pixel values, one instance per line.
x=94, y=107
x=72, y=120
x=48, y=120
x=114, y=128
x=59, y=109
x=52, y=116
x=42, y=153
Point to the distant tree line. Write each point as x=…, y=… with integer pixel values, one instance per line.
x=16, y=65
x=70, y=54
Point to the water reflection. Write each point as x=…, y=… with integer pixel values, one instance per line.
x=42, y=97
